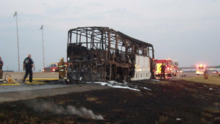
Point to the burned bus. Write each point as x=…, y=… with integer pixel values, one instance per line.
x=101, y=53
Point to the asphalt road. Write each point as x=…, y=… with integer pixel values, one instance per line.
x=20, y=75
x=22, y=87
x=50, y=89
x=184, y=75
x=13, y=93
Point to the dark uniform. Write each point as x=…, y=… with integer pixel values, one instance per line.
x=28, y=68
x=1, y=72
x=163, y=68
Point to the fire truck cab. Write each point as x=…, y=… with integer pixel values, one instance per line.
x=171, y=67
x=53, y=67
x=200, y=68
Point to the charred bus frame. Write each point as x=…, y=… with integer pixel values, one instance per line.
x=101, y=53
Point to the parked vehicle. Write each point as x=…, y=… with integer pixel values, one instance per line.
x=215, y=72
x=200, y=68
x=53, y=67
x=171, y=67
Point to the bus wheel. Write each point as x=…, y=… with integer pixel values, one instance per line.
x=129, y=79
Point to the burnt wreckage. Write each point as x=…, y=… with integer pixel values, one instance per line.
x=101, y=53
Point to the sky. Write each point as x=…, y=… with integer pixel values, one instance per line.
x=183, y=30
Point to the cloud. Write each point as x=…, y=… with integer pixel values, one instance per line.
x=171, y=26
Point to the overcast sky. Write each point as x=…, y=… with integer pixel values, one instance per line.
x=185, y=30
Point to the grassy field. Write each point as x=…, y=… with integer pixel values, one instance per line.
x=213, y=79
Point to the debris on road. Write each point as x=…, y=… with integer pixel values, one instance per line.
x=178, y=119
x=155, y=80
x=147, y=88
x=116, y=85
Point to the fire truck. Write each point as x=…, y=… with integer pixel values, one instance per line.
x=200, y=68
x=53, y=67
x=171, y=67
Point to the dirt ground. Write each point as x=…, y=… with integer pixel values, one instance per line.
x=168, y=102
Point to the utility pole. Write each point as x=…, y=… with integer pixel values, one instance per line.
x=16, y=15
x=43, y=45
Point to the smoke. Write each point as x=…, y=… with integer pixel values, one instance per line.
x=45, y=106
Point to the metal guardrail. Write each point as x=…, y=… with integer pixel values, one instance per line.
x=8, y=71
x=195, y=67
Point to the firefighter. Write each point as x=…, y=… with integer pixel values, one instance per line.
x=206, y=74
x=27, y=66
x=163, y=67
x=61, y=68
x=1, y=72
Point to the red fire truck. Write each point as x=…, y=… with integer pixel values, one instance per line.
x=53, y=67
x=171, y=67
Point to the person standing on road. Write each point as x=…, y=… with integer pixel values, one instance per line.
x=61, y=68
x=163, y=67
x=1, y=72
x=206, y=74
x=27, y=65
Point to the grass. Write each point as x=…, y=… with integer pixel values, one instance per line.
x=212, y=110
x=212, y=79
x=91, y=99
x=217, y=104
x=161, y=82
x=162, y=120
x=211, y=114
